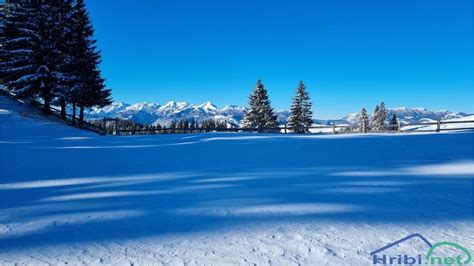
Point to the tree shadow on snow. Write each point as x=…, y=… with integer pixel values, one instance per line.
x=107, y=188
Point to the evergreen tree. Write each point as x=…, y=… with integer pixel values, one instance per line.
x=300, y=113
x=394, y=122
x=173, y=127
x=364, y=121
x=192, y=126
x=47, y=55
x=63, y=73
x=379, y=117
x=182, y=125
x=374, y=114
x=382, y=114
x=89, y=89
x=18, y=69
x=34, y=45
x=259, y=114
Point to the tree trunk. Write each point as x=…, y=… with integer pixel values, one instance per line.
x=81, y=115
x=63, y=109
x=47, y=108
x=73, y=113
x=47, y=101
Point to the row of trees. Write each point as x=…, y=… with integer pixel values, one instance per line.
x=260, y=116
x=378, y=121
x=208, y=124
x=48, y=54
x=182, y=126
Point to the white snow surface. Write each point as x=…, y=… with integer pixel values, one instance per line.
x=465, y=122
x=69, y=196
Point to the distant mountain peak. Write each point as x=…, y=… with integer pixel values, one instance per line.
x=170, y=104
x=208, y=106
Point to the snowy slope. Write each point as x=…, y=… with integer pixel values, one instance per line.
x=152, y=113
x=18, y=120
x=220, y=199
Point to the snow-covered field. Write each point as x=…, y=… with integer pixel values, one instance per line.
x=73, y=197
x=464, y=122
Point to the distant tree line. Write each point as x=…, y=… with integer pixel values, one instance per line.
x=111, y=126
x=48, y=54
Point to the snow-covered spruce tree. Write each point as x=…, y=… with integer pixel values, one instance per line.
x=63, y=73
x=374, y=114
x=45, y=51
x=89, y=88
x=382, y=116
x=33, y=48
x=259, y=113
x=379, y=117
x=300, y=112
x=364, y=121
x=17, y=43
x=393, y=122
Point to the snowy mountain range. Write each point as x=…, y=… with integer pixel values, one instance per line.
x=412, y=115
x=153, y=113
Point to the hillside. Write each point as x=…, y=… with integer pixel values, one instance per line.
x=21, y=120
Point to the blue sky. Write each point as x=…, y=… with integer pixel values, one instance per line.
x=350, y=54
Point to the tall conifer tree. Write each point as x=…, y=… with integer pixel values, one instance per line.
x=33, y=45
x=89, y=88
x=300, y=112
x=259, y=114
x=364, y=121
x=379, y=117
x=18, y=43
x=393, y=122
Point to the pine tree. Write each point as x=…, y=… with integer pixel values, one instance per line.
x=192, y=126
x=374, y=114
x=259, y=114
x=364, y=121
x=379, y=117
x=63, y=73
x=34, y=47
x=382, y=114
x=394, y=122
x=173, y=127
x=89, y=89
x=300, y=113
x=46, y=51
x=17, y=49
